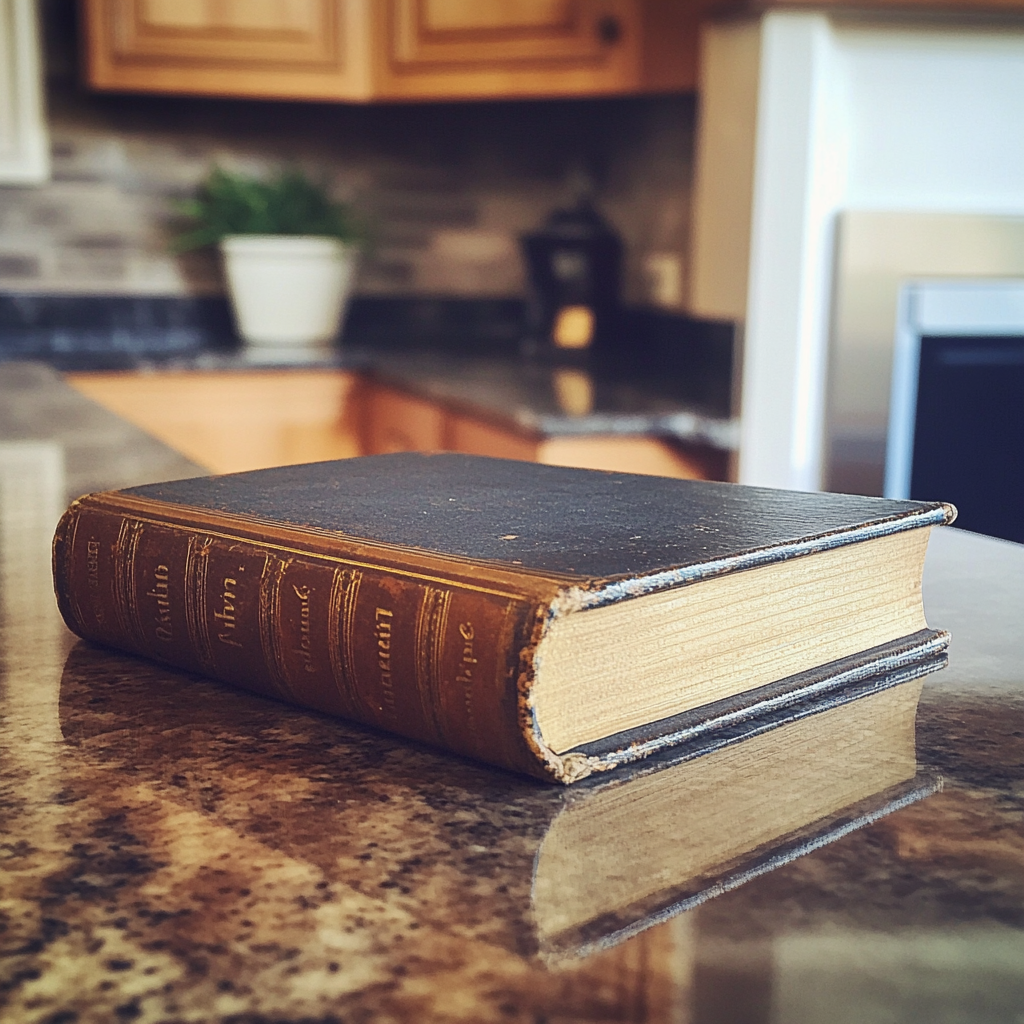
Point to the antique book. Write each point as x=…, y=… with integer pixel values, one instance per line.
x=553, y=621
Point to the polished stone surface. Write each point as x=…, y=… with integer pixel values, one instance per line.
x=669, y=376
x=558, y=401
x=172, y=850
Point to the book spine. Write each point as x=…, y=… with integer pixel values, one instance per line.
x=434, y=660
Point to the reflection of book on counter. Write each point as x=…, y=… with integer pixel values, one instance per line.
x=555, y=621
x=624, y=855
x=484, y=854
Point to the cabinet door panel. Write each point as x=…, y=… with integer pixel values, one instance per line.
x=227, y=47
x=201, y=31
x=508, y=31
x=510, y=47
x=475, y=437
x=396, y=422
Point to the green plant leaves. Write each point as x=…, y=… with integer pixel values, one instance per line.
x=290, y=204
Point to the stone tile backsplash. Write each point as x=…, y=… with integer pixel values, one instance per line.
x=446, y=188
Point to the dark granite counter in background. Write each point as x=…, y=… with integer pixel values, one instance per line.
x=172, y=850
x=668, y=376
x=557, y=401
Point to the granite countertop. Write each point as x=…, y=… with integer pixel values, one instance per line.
x=172, y=850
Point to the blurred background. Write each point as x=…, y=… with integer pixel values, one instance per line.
x=776, y=243
x=448, y=185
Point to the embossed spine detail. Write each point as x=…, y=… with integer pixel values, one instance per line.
x=377, y=642
x=126, y=605
x=431, y=628
x=271, y=632
x=197, y=564
x=341, y=636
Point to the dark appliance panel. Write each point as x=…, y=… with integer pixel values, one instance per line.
x=969, y=431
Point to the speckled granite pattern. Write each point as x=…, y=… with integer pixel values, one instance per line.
x=174, y=851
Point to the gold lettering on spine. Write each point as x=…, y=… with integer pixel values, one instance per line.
x=227, y=621
x=197, y=563
x=125, y=599
x=161, y=593
x=305, y=648
x=272, y=622
x=431, y=625
x=341, y=635
x=382, y=620
x=467, y=670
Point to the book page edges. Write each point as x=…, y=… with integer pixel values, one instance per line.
x=722, y=723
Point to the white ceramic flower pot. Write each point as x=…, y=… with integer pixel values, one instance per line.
x=288, y=289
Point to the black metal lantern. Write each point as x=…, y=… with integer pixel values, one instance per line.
x=575, y=269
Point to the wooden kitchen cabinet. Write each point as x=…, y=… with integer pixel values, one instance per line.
x=453, y=48
x=477, y=437
x=392, y=421
x=363, y=50
x=289, y=49
x=233, y=421
x=230, y=422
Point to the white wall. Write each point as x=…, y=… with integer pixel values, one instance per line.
x=935, y=118
x=850, y=114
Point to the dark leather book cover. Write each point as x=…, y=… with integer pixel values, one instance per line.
x=410, y=592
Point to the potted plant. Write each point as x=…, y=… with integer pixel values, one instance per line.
x=289, y=253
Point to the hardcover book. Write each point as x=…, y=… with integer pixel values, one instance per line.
x=553, y=621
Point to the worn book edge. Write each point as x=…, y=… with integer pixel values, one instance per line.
x=713, y=726
x=601, y=592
